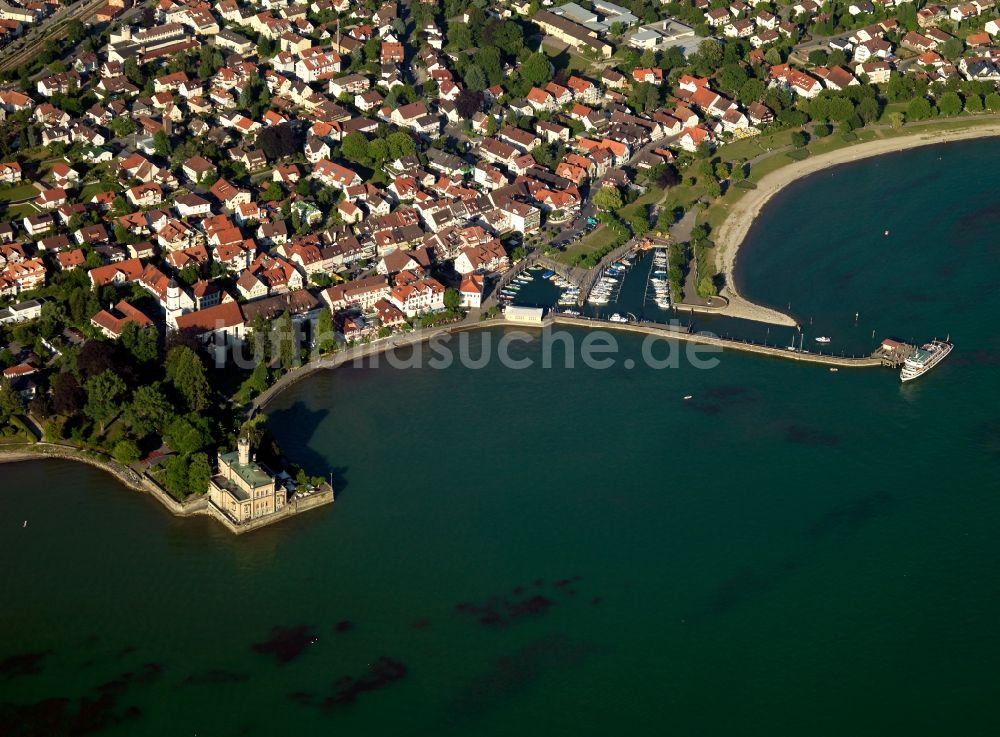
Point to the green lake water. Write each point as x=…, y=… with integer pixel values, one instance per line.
x=580, y=552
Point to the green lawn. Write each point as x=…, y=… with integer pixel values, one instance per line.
x=19, y=192
x=754, y=146
x=600, y=238
x=87, y=193
x=21, y=211
x=566, y=59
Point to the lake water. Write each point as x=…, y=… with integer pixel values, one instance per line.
x=584, y=552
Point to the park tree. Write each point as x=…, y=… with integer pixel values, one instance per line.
x=378, y=150
x=973, y=103
x=105, y=393
x=508, y=37
x=709, y=55
x=175, y=476
x=187, y=436
x=993, y=102
x=488, y=59
x=950, y=104
x=400, y=144
x=608, y=198
x=67, y=395
x=869, y=110
x=149, y=411
x=161, y=144
x=257, y=382
x=140, y=342
x=460, y=36
x=186, y=373
x=452, y=299
x=326, y=340
x=126, y=452
x=10, y=405
x=952, y=48
x=199, y=473
x=355, y=147
x=122, y=126
x=468, y=103
x=818, y=57
x=731, y=77
x=286, y=341
x=918, y=109
x=273, y=193
x=475, y=78
x=93, y=358
x=537, y=69
x=278, y=141
x=751, y=91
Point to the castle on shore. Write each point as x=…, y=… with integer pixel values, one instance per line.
x=243, y=489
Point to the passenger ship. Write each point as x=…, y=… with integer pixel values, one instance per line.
x=924, y=359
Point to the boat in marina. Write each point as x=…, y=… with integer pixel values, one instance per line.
x=617, y=318
x=548, y=274
x=571, y=313
x=924, y=359
x=822, y=339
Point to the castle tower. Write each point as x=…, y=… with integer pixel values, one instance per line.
x=243, y=446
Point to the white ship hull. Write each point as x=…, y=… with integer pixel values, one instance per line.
x=924, y=359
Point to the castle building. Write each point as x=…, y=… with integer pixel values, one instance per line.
x=243, y=489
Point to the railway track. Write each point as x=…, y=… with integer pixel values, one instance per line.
x=53, y=28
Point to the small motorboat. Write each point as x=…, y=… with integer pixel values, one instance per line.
x=833, y=369
x=822, y=339
x=688, y=396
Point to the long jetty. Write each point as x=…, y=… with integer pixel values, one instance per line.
x=684, y=334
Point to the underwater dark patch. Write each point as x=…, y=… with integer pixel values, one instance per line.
x=22, y=664
x=287, y=643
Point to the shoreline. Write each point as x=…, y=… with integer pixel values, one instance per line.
x=733, y=231
x=133, y=481
x=360, y=353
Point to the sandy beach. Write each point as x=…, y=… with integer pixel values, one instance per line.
x=730, y=235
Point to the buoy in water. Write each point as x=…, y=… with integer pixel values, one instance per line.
x=886, y=233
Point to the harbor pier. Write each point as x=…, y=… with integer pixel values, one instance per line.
x=684, y=333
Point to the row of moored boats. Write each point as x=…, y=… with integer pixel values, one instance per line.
x=658, y=280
